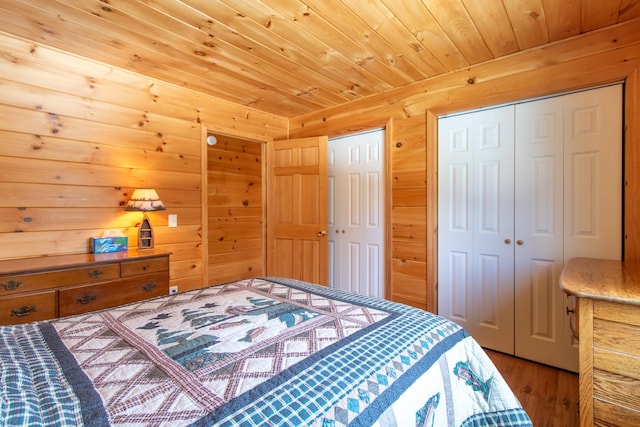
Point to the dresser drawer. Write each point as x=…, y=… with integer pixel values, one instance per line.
x=12, y=284
x=615, y=336
x=28, y=308
x=144, y=266
x=81, y=299
x=616, y=389
x=609, y=414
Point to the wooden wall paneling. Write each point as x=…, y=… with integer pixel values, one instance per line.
x=54, y=70
x=236, y=265
x=59, y=103
x=408, y=168
x=100, y=150
x=78, y=137
x=235, y=209
x=408, y=283
x=58, y=72
x=407, y=250
x=83, y=174
x=603, y=56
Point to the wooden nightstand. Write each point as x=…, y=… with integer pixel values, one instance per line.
x=54, y=286
x=608, y=292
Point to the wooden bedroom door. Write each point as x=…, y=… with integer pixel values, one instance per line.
x=297, y=211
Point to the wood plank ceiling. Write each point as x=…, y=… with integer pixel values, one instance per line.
x=291, y=57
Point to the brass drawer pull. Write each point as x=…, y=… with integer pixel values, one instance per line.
x=86, y=299
x=145, y=267
x=149, y=287
x=95, y=274
x=11, y=285
x=23, y=311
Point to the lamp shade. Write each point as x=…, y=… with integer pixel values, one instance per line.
x=145, y=200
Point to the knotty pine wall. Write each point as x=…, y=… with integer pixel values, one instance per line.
x=596, y=58
x=235, y=209
x=77, y=136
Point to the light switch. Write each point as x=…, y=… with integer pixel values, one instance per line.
x=173, y=220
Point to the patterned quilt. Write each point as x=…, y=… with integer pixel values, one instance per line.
x=265, y=351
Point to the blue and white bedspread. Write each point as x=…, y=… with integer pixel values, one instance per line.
x=265, y=351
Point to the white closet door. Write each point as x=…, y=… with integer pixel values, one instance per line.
x=593, y=177
x=475, y=283
x=569, y=150
x=539, y=230
x=593, y=165
x=455, y=220
x=356, y=213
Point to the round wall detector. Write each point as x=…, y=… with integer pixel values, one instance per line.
x=211, y=140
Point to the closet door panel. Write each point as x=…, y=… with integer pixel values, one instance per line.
x=455, y=222
x=543, y=317
x=522, y=188
x=493, y=228
x=356, y=214
x=539, y=203
x=475, y=271
x=593, y=161
x=593, y=183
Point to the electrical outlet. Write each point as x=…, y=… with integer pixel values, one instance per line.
x=173, y=290
x=172, y=220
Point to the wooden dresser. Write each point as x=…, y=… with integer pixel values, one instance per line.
x=609, y=318
x=55, y=286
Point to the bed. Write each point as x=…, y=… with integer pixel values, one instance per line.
x=261, y=351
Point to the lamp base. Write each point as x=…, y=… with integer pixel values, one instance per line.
x=145, y=234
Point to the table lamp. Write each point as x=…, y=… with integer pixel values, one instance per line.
x=145, y=200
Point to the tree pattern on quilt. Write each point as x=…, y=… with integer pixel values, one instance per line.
x=247, y=321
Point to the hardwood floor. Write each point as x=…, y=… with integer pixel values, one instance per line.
x=549, y=395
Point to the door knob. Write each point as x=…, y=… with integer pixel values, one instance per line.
x=519, y=242
x=322, y=233
x=507, y=241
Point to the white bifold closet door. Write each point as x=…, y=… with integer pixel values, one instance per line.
x=542, y=180
x=356, y=213
x=476, y=222
x=568, y=204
